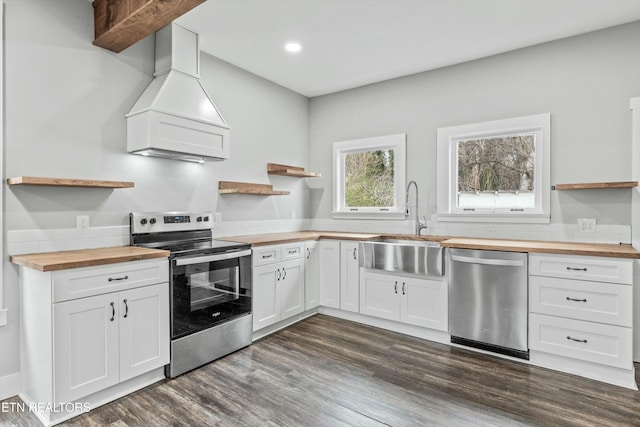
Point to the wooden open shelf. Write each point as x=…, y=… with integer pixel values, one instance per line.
x=66, y=182
x=595, y=185
x=285, y=170
x=230, y=187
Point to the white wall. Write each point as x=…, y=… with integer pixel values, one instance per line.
x=65, y=105
x=585, y=83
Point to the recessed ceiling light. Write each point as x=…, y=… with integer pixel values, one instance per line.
x=292, y=47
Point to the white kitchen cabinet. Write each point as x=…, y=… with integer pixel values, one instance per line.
x=311, y=275
x=349, y=277
x=87, y=338
x=411, y=300
x=278, y=284
x=329, y=273
x=106, y=339
x=266, y=304
x=86, y=347
x=581, y=316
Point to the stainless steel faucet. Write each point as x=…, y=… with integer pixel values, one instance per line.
x=420, y=225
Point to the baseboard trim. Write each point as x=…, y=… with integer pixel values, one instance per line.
x=10, y=385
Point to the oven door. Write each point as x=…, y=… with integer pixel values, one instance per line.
x=208, y=290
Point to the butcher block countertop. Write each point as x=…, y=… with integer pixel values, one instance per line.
x=569, y=248
x=53, y=261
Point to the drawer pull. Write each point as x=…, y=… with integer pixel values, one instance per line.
x=576, y=340
x=112, y=279
x=267, y=256
x=293, y=252
x=576, y=299
x=576, y=269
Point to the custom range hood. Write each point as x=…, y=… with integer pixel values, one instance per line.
x=175, y=117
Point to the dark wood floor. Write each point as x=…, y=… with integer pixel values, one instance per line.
x=329, y=372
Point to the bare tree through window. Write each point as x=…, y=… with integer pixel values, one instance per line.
x=489, y=168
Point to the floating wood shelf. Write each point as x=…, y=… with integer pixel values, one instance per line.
x=119, y=24
x=595, y=185
x=230, y=187
x=285, y=170
x=65, y=182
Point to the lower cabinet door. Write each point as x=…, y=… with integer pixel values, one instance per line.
x=311, y=275
x=379, y=295
x=266, y=306
x=291, y=288
x=349, y=277
x=86, y=348
x=424, y=303
x=144, y=330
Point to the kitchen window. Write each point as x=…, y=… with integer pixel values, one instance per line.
x=369, y=177
x=495, y=171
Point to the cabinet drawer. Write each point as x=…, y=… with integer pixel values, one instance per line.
x=582, y=267
x=593, y=342
x=577, y=299
x=292, y=251
x=265, y=255
x=88, y=281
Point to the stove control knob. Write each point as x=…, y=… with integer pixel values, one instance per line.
x=206, y=218
x=152, y=221
x=199, y=219
x=143, y=221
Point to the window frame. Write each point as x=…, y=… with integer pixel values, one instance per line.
x=447, y=169
x=396, y=142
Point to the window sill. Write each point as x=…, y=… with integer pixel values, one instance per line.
x=367, y=215
x=510, y=219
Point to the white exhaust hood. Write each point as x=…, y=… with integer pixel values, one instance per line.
x=175, y=117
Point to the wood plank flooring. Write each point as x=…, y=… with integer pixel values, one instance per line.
x=326, y=371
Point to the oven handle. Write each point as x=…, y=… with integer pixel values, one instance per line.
x=212, y=258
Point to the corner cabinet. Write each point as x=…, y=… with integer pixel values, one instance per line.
x=93, y=334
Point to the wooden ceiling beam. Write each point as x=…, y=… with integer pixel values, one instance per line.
x=121, y=23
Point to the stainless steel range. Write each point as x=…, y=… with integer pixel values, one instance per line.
x=210, y=285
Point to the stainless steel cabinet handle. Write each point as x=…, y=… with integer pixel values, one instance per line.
x=576, y=299
x=395, y=287
x=576, y=340
x=126, y=308
x=293, y=251
x=576, y=269
x=284, y=273
x=267, y=256
x=112, y=279
x=403, y=285
x=308, y=253
x=354, y=254
x=113, y=311
x=279, y=274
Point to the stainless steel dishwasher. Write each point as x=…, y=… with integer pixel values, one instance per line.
x=488, y=300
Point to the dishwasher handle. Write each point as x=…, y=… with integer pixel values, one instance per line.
x=487, y=261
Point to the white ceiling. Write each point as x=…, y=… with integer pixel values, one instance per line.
x=351, y=43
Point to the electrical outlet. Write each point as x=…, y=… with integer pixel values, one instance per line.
x=587, y=225
x=82, y=222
